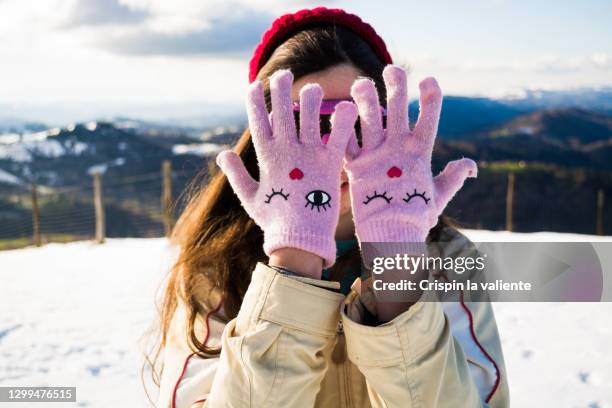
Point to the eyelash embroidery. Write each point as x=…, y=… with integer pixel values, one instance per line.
x=376, y=195
x=410, y=196
x=319, y=199
x=274, y=193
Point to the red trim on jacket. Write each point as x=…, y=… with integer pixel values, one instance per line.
x=180, y=378
x=178, y=381
x=480, y=346
x=211, y=312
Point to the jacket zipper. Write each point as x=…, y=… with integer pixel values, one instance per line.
x=338, y=355
x=342, y=360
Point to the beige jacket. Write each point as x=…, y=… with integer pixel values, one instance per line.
x=295, y=343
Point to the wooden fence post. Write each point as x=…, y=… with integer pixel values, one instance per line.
x=600, y=212
x=510, y=202
x=99, y=207
x=166, y=198
x=35, y=217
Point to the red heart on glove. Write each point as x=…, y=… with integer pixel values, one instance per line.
x=296, y=174
x=394, y=172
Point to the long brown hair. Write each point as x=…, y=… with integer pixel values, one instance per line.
x=219, y=243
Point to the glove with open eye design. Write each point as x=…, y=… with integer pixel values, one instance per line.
x=296, y=201
x=395, y=197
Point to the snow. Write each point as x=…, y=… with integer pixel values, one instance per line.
x=127, y=124
x=199, y=149
x=557, y=354
x=74, y=315
x=16, y=152
x=79, y=147
x=103, y=167
x=505, y=236
x=38, y=144
x=9, y=138
x=6, y=177
x=97, y=169
x=22, y=147
x=220, y=130
x=526, y=130
x=48, y=148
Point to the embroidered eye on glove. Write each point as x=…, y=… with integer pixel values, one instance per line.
x=296, y=201
x=395, y=197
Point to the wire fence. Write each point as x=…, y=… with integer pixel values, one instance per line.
x=139, y=206
x=146, y=205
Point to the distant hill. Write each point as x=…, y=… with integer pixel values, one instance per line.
x=599, y=99
x=65, y=156
x=464, y=117
x=569, y=127
x=573, y=138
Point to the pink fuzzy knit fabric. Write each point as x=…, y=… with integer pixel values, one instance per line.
x=395, y=197
x=296, y=200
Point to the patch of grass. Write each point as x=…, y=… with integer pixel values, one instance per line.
x=22, y=242
x=15, y=243
x=516, y=166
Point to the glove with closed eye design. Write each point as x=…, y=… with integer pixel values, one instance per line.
x=296, y=201
x=395, y=197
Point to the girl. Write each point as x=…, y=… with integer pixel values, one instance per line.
x=265, y=305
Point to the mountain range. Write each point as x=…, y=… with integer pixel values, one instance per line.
x=561, y=154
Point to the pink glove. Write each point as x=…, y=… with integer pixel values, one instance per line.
x=395, y=198
x=297, y=199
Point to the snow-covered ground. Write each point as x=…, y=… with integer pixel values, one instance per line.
x=74, y=315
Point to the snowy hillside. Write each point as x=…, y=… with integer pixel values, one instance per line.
x=74, y=315
x=66, y=156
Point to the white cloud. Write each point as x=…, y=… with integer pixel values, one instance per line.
x=602, y=60
x=229, y=36
x=149, y=52
x=103, y=12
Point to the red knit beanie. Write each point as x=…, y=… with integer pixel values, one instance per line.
x=284, y=26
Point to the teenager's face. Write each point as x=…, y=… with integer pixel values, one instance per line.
x=336, y=82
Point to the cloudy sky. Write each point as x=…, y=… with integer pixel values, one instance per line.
x=95, y=57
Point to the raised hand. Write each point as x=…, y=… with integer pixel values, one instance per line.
x=395, y=197
x=296, y=200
